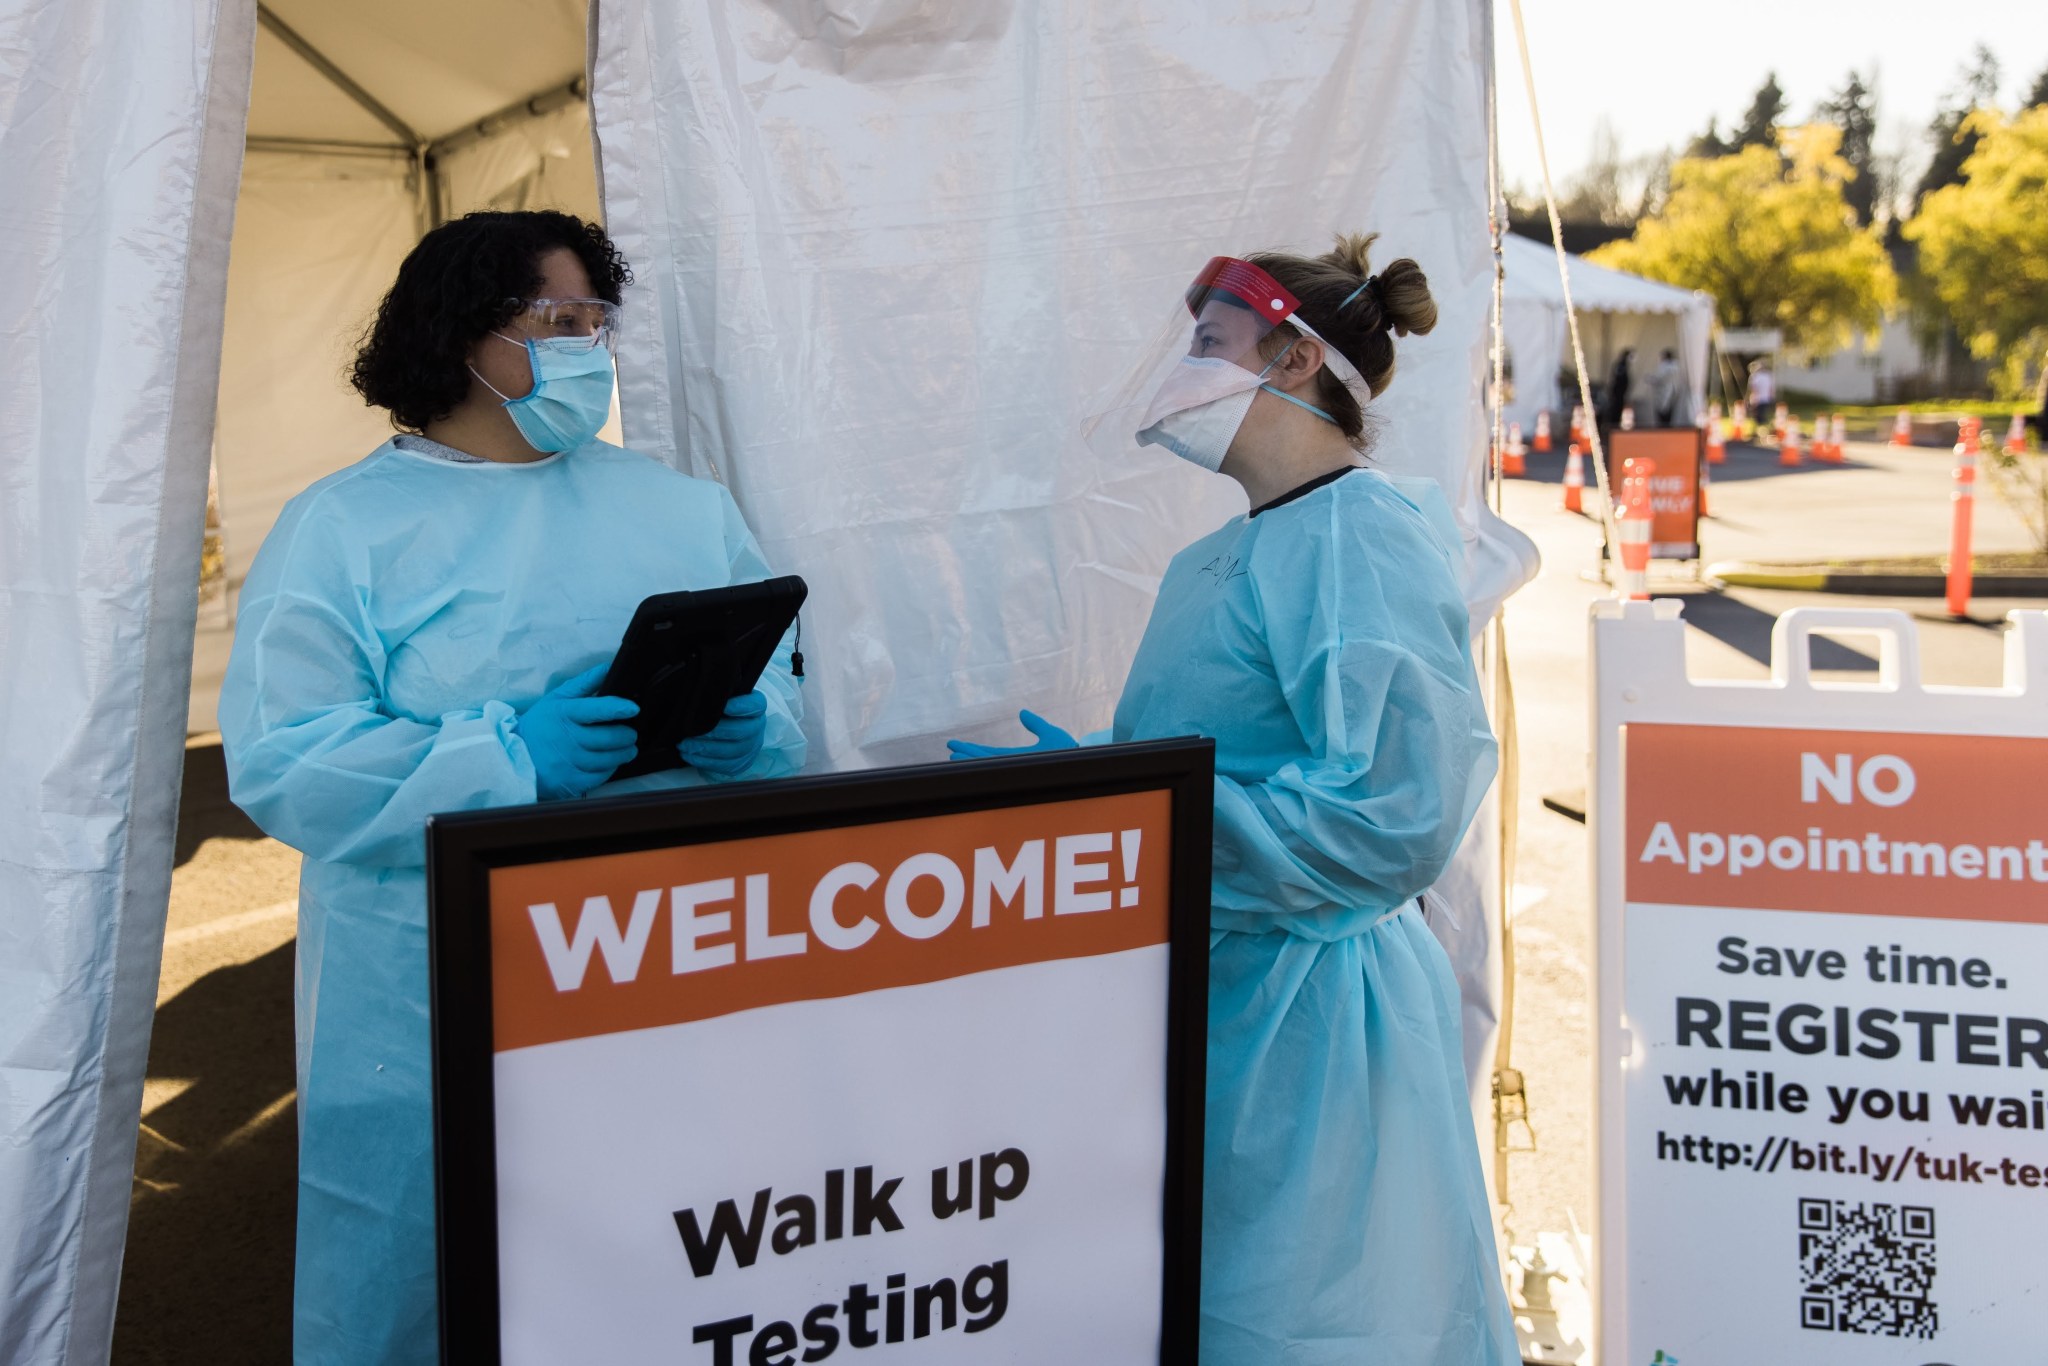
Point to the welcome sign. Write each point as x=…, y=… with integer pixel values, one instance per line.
x=906, y=1062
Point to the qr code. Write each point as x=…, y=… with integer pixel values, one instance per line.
x=1867, y=1268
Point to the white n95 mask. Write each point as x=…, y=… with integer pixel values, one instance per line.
x=1198, y=409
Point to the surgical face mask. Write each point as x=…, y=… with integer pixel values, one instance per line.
x=1198, y=409
x=571, y=395
x=1202, y=403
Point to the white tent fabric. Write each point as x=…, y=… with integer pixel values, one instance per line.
x=887, y=255
x=120, y=137
x=884, y=262
x=1616, y=310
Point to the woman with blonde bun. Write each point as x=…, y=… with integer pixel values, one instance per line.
x=1321, y=640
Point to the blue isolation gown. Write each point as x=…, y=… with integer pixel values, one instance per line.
x=1323, y=644
x=398, y=618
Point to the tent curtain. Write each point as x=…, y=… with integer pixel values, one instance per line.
x=884, y=267
x=120, y=144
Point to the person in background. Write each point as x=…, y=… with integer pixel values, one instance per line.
x=427, y=631
x=1763, y=394
x=1619, y=381
x=2038, y=419
x=1666, y=387
x=1321, y=640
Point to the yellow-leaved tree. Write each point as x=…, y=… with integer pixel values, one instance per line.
x=1984, y=243
x=1771, y=237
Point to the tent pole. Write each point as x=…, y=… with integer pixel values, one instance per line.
x=415, y=146
x=327, y=147
x=341, y=80
x=569, y=92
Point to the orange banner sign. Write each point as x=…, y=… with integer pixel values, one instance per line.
x=1677, y=453
x=629, y=941
x=1845, y=821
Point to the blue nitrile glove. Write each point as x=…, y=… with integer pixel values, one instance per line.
x=729, y=748
x=576, y=740
x=1050, y=738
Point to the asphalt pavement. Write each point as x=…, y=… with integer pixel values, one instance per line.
x=208, y=1270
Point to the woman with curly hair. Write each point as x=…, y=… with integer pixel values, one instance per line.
x=426, y=631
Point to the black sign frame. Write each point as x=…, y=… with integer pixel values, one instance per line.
x=463, y=849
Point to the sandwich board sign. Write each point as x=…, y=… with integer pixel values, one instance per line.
x=908, y=1061
x=1822, y=1004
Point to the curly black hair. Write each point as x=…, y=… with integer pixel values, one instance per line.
x=462, y=280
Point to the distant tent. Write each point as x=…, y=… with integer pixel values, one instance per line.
x=1616, y=310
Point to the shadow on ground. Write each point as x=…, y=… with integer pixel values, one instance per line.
x=207, y=1275
x=1742, y=627
x=204, y=811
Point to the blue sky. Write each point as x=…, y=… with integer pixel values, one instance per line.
x=1657, y=69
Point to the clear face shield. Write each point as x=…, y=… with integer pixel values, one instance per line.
x=1193, y=386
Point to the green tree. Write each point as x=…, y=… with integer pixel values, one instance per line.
x=1853, y=109
x=1984, y=242
x=1949, y=136
x=1771, y=238
x=1759, y=126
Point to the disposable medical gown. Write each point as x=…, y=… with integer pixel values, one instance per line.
x=1322, y=643
x=399, y=617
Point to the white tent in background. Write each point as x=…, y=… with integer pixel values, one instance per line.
x=368, y=123
x=1616, y=311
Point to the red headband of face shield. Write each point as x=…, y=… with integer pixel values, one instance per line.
x=1246, y=284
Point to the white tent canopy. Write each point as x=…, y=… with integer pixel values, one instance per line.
x=1616, y=311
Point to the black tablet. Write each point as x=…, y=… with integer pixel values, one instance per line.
x=686, y=654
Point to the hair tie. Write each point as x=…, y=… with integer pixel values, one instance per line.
x=1370, y=281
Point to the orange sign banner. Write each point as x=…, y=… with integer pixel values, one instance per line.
x=1867, y=823
x=665, y=936
x=1677, y=452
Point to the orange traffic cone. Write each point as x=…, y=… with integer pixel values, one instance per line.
x=1841, y=434
x=1706, y=478
x=1779, y=419
x=1578, y=432
x=1824, y=448
x=1575, y=480
x=1902, y=429
x=1543, y=432
x=1788, y=445
x=1628, y=419
x=1514, y=463
x=2016, y=435
x=1633, y=529
x=1714, y=414
x=1716, y=449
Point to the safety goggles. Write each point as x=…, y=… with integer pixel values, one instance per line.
x=573, y=324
